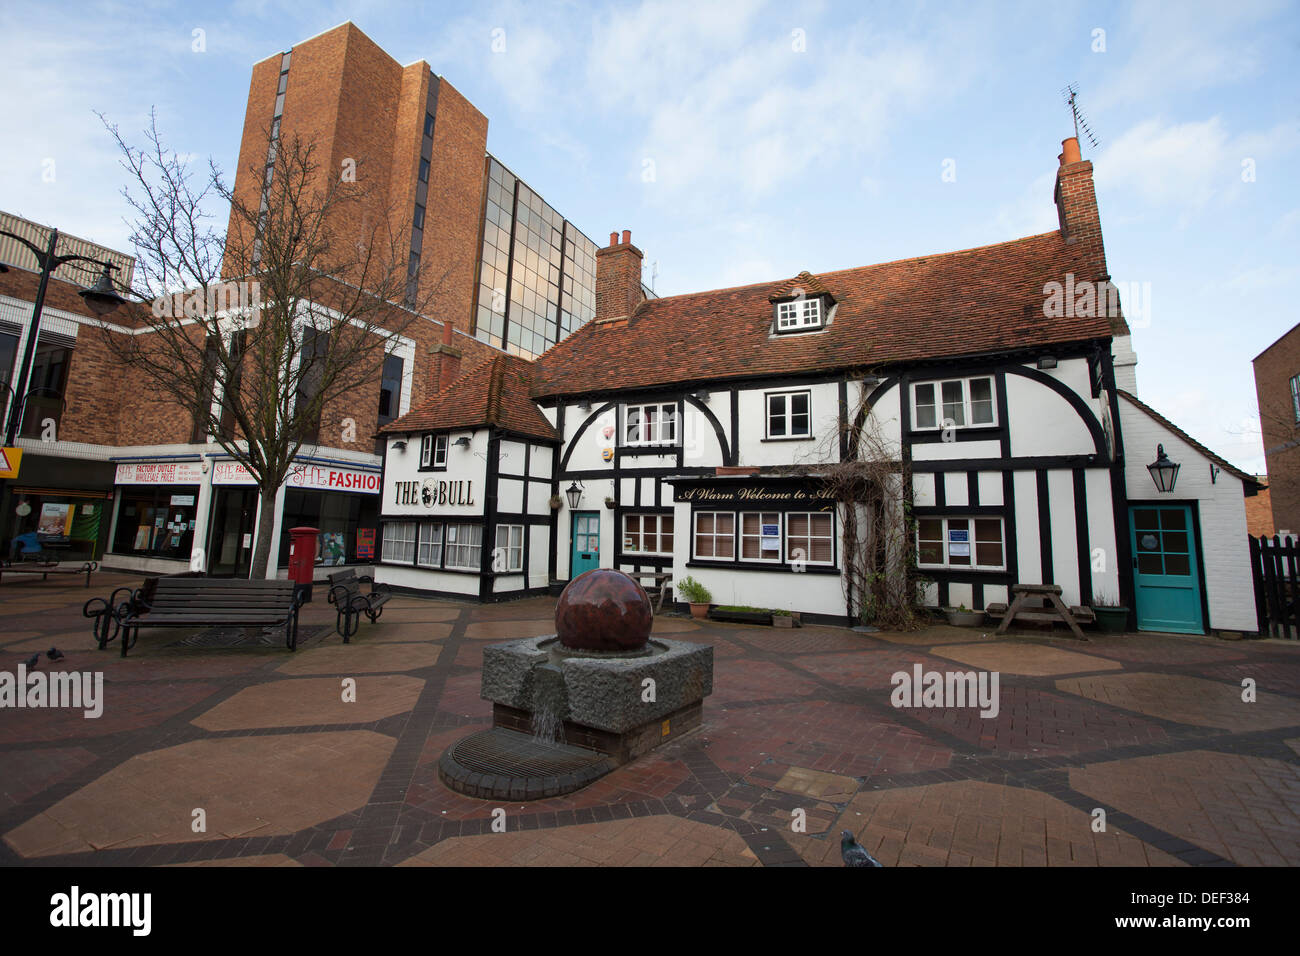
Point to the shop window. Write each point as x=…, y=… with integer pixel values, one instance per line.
x=430, y=552
x=648, y=534
x=509, y=555
x=789, y=414
x=715, y=534
x=399, y=542
x=961, y=402
x=156, y=521
x=465, y=546
x=760, y=536
x=960, y=543
x=810, y=537
x=340, y=517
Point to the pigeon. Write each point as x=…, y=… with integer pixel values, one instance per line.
x=854, y=853
x=54, y=654
x=33, y=661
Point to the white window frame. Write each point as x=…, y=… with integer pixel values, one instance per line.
x=642, y=535
x=695, y=534
x=427, y=542
x=393, y=542
x=741, y=536
x=790, y=541
x=452, y=539
x=966, y=403
x=1295, y=397
x=788, y=415
x=654, y=427
x=513, y=551
x=799, y=315
x=973, y=542
x=440, y=451
x=426, y=451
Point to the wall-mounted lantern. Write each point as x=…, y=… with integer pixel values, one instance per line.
x=1163, y=471
x=462, y=442
x=574, y=494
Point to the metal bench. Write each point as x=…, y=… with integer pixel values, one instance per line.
x=351, y=603
x=45, y=570
x=200, y=602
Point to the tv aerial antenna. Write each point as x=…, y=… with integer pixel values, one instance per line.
x=1071, y=94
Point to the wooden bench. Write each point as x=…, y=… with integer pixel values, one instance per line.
x=663, y=580
x=1040, y=603
x=209, y=602
x=45, y=570
x=345, y=595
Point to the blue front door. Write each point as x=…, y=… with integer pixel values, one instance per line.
x=586, y=542
x=1164, y=569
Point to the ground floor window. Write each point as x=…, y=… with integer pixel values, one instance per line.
x=648, y=534
x=760, y=536
x=346, y=522
x=430, y=555
x=465, y=546
x=156, y=520
x=810, y=537
x=399, y=542
x=715, y=534
x=509, y=554
x=960, y=543
x=58, y=522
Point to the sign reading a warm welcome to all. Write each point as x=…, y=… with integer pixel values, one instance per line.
x=784, y=494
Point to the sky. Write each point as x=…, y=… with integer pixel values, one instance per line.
x=744, y=141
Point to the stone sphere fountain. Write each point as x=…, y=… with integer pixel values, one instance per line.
x=569, y=707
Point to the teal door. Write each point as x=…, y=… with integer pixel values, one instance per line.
x=586, y=543
x=1164, y=569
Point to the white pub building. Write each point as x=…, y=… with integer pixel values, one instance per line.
x=684, y=435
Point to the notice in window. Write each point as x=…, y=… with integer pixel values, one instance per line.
x=959, y=544
x=771, y=531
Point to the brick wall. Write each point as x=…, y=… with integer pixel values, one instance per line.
x=618, y=278
x=1274, y=368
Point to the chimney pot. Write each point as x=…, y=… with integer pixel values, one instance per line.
x=613, y=238
x=1070, y=151
x=627, y=237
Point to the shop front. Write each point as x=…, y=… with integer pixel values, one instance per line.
x=155, y=515
x=65, y=502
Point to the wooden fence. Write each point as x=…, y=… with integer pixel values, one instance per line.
x=1275, y=567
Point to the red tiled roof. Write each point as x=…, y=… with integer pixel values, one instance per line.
x=1223, y=463
x=804, y=282
x=975, y=301
x=493, y=393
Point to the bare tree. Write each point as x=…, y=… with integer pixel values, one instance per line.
x=255, y=329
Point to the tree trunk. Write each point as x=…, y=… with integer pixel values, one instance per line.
x=265, y=525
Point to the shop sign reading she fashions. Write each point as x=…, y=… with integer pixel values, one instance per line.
x=313, y=477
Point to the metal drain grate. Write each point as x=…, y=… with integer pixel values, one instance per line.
x=511, y=754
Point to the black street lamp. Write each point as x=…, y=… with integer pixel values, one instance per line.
x=101, y=298
x=1163, y=471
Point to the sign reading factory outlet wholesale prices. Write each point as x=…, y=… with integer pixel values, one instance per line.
x=312, y=477
x=160, y=473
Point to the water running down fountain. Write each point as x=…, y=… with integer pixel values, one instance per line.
x=569, y=707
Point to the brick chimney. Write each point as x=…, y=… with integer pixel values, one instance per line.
x=618, y=279
x=444, y=365
x=1076, y=200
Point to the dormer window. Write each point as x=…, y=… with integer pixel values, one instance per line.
x=799, y=315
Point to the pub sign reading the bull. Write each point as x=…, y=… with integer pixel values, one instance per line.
x=432, y=493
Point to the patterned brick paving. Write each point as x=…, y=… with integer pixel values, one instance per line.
x=798, y=742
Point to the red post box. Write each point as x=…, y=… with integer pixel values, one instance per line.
x=302, y=559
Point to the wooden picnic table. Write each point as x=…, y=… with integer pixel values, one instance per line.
x=1053, y=610
x=661, y=579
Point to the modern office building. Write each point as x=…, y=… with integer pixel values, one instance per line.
x=495, y=259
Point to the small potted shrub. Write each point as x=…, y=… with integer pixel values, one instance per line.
x=1112, y=617
x=609, y=503
x=963, y=616
x=696, y=595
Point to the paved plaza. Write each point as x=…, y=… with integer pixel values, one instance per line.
x=799, y=742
